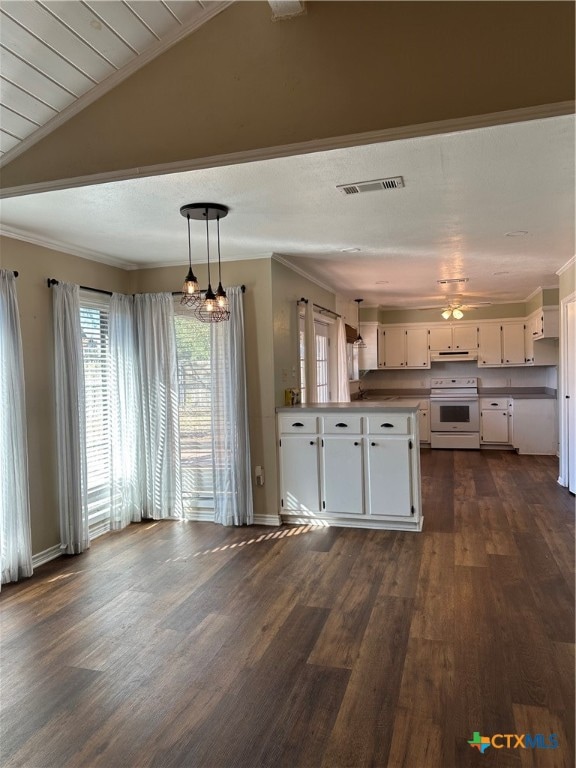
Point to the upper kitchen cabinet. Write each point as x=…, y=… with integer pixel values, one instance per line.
x=400, y=347
x=368, y=354
x=501, y=344
x=453, y=337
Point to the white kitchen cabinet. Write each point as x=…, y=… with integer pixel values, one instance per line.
x=300, y=473
x=452, y=337
x=368, y=355
x=535, y=426
x=343, y=474
x=494, y=426
x=361, y=466
x=389, y=476
x=513, y=352
x=501, y=344
x=401, y=347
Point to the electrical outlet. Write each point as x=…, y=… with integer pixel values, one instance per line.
x=259, y=473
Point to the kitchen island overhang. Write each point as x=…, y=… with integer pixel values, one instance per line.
x=350, y=464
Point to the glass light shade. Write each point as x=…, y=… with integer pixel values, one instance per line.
x=458, y=314
x=446, y=314
x=190, y=284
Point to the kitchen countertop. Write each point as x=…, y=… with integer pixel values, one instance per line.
x=367, y=405
x=525, y=393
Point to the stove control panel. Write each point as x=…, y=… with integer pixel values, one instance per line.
x=471, y=381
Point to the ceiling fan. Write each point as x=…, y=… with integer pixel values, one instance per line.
x=455, y=307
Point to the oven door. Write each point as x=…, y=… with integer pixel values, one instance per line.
x=454, y=415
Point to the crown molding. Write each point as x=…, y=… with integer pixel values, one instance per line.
x=566, y=267
x=317, y=145
x=211, y=9
x=299, y=271
x=60, y=247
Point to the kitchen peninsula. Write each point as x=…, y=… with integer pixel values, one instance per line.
x=350, y=464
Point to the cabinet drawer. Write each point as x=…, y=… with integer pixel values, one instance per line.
x=341, y=425
x=493, y=403
x=297, y=423
x=390, y=424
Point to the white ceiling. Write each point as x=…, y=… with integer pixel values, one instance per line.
x=463, y=193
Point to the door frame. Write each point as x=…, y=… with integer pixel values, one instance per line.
x=566, y=388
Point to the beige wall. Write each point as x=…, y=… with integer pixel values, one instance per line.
x=492, y=312
x=243, y=82
x=287, y=287
x=34, y=265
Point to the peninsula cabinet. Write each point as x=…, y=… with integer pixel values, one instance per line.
x=351, y=465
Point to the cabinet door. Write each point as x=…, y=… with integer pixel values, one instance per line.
x=494, y=426
x=440, y=338
x=368, y=355
x=343, y=484
x=417, y=348
x=529, y=342
x=299, y=473
x=465, y=337
x=513, y=344
x=394, y=347
x=389, y=476
x=489, y=345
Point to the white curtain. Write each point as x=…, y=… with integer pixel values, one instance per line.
x=125, y=499
x=230, y=439
x=310, y=355
x=70, y=419
x=342, y=383
x=15, y=546
x=158, y=375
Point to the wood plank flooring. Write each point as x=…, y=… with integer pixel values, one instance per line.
x=189, y=645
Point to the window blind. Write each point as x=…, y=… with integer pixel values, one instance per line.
x=94, y=313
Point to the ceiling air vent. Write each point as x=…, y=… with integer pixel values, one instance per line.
x=376, y=185
x=451, y=280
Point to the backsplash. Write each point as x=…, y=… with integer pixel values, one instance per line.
x=539, y=376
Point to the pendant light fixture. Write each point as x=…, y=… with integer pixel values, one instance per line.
x=208, y=307
x=360, y=343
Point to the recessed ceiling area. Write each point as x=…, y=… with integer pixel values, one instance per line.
x=494, y=205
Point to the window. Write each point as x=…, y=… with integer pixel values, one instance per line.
x=94, y=311
x=195, y=411
x=322, y=336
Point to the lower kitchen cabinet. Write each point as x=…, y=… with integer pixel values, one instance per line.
x=359, y=468
x=535, y=426
x=494, y=420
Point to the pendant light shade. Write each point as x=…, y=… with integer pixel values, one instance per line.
x=208, y=307
x=454, y=312
x=360, y=343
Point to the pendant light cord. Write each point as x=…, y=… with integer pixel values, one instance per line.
x=219, y=268
x=189, y=246
x=208, y=247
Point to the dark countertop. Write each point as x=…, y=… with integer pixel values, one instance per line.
x=526, y=393
x=373, y=404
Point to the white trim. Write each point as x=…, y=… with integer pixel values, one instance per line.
x=359, y=521
x=267, y=520
x=567, y=266
x=282, y=260
x=99, y=529
x=434, y=128
x=562, y=391
x=156, y=49
x=46, y=555
x=55, y=245
x=199, y=516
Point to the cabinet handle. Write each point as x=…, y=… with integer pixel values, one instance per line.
x=356, y=443
x=341, y=424
x=297, y=424
x=387, y=424
x=312, y=442
x=494, y=404
x=534, y=333
x=372, y=443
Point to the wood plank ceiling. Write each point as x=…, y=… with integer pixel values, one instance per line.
x=58, y=56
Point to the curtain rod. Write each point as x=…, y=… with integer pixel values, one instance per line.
x=321, y=308
x=51, y=281
x=179, y=293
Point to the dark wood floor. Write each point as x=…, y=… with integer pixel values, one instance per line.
x=188, y=645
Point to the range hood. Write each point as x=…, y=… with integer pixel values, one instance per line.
x=453, y=354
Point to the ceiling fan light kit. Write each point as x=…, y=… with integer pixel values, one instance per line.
x=207, y=306
x=454, y=312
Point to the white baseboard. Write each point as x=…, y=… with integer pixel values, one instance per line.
x=198, y=516
x=48, y=554
x=267, y=520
